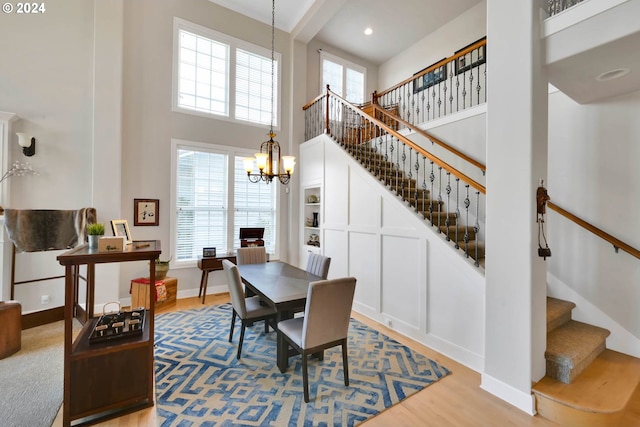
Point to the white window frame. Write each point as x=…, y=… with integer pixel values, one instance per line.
x=345, y=64
x=234, y=44
x=231, y=152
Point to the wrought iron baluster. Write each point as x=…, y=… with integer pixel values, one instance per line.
x=432, y=177
x=457, y=213
x=457, y=92
x=476, y=228
x=448, y=190
x=444, y=96
x=416, y=167
x=439, y=197
x=424, y=185
x=404, y=159
x=467, y=203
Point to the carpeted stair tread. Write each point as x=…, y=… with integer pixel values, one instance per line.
x=572, y=347
x=605, y=386
x=558, y=312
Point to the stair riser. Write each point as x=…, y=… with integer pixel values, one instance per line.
x=554, y=324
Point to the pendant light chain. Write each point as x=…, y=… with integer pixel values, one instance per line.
x=273, y=43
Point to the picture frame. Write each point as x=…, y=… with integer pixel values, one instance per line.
x=208, y=252
x=146, y=212
x=471, y=59
x=431, y=78
x=120, y=228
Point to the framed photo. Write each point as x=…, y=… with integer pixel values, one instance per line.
x=470, y=59
x=429, y=79
x=208, y=252
x=120, y=228
x=146, y=211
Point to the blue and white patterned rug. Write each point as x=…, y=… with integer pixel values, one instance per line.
x=199, y=381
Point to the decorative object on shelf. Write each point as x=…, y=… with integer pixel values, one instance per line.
x=120, y=228
x=309, y=221
x=94, y=232
x=314, y=240
x=268, y=159
x=115, y=325
x=28, y=146
x=312, y=199
x=208, y=252
x=111, y=244
x=146, y=212
x=315, y=219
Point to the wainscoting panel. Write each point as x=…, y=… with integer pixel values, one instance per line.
x=403, y=280
x=336, y=196
x=364, y=264
x=336, y=246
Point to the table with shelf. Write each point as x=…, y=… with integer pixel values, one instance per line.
x=103, y=380
x=207, y=264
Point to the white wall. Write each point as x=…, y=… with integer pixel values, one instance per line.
x=442, y=43
x=408, y=277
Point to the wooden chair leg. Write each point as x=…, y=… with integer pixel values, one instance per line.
x=241, y=339
x=305, y=377
x=345, y=362
x=266, y=326
x=233, y=322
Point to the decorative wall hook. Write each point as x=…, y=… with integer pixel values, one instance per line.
x=28, y=146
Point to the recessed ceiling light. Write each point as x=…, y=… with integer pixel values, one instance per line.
x=613, y=74
x=368, y=31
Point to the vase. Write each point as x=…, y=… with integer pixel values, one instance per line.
x=315, y=219
x=93, y=241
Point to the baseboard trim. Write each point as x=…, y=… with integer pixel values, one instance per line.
x=526, y=402
x=39, y=318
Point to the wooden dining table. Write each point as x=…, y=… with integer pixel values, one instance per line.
x=282, y=286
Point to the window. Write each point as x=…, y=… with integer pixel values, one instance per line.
x=344, y=78
x=216, y=75
x=208, y=211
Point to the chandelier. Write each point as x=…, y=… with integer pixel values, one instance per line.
x=268, y=160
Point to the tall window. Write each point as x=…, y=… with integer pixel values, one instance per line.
x=213, y=199
x=343, y=77
x=220, y=76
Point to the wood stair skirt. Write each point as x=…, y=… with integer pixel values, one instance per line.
x=586, y=384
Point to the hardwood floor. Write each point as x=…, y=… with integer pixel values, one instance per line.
x=455, y=400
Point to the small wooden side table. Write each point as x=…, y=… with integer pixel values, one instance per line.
x=211, y=264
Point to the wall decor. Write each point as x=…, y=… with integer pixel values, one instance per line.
x=146, y=211
x=120, y=228
x=431, y=78
x=472, y=58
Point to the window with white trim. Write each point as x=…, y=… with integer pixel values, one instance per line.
x=219, y=76
x=214, y=199
x=343, y=77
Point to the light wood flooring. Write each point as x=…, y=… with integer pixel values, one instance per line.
x=455, y=400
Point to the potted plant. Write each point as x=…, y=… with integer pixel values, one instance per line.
x=94, y=232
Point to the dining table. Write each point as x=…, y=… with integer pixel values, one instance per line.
x=282, y=286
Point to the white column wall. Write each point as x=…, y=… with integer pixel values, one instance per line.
x=515, y=331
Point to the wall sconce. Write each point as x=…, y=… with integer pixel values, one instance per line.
x=28, y=146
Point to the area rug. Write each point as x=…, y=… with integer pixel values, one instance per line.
x=199, y=381
x=31, y=379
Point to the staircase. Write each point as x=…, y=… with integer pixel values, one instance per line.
x=586, y=384
x=462, y=237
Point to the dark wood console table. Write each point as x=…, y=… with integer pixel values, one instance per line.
x=211, y=264
x=101, y=380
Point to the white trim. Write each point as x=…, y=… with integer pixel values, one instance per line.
x=526, y=402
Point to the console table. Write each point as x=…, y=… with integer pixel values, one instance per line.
x=101, y=380
x=211, y=264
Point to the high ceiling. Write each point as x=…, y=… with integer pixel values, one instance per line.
x=341, y=23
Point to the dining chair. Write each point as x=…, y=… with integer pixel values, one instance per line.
x=325, y=323
x=318, y=265
x=251, y=255
x=248, y=309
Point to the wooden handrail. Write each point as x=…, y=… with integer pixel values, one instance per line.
x=617, y=244
x=316, y=99
x=438, y=64
x=481, y=188
x=430, y=137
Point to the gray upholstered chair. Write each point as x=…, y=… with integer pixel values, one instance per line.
x=325, y=323
x=248, y=309
x=318, y=265
x=251, y=255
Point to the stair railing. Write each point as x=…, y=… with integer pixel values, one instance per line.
x=617, y=244
x=450, y=85
x=437, y=191
x=556, y=6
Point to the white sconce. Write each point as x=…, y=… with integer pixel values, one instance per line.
x=28, y=146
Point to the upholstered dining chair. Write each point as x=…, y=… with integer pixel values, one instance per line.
x=325, y=323
x=251, y=255
x=318, y=265
x=248, y=309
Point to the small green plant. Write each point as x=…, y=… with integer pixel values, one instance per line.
x=95, y=229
